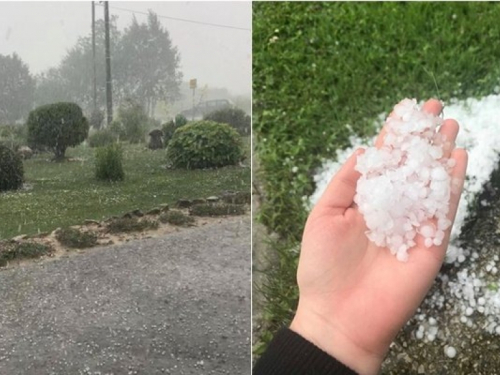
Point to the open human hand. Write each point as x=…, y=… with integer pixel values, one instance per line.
x=355, y=296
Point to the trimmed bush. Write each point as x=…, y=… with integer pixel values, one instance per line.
x=222, y=209
x=13, y=136
x=96, y=119
x=168, y=130
x=57, y=126
x=133, y=120
x=170, y=127
x=180, y=120
x=122, y=225
x=11, y=169
x=108, y=163
x=10, y=250
x=176, y=218
x=74, y=238
x=102, y=138
x=204, y=144
x=235, y=117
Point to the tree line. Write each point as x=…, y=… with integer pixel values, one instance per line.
x=145, y=68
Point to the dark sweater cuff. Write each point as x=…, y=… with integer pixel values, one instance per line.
x=291, y=354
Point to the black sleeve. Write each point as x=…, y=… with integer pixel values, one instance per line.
x=291, y=354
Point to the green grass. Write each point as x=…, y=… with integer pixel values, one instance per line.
x=67, y=193
x=318, y=67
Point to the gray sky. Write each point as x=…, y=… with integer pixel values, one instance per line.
x=41, y=33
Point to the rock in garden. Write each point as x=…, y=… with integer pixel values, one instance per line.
x=138, y=213
x=156, y=139
x=25, y=152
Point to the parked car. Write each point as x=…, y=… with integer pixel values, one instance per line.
x=206, y=107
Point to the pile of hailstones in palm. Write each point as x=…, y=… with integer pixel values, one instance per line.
x=404, y=195
x=405, y=185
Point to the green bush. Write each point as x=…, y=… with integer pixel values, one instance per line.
x=133, y=122
x=57, y=126
x=204, y=144
x=180, y=120
x=176, y=218
x=235, y=117
x=123, y=225
x=221, y=209
x=75, y=238
x=170, y=127
x=102, y=138
x=116, y=128
x=13, y=136
x=96, y=119
x=108, y=163
x=11, y=169
x=10, y=250
x=168, y=130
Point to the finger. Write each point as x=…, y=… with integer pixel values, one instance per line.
x=340, y=192
x=457, y=181
x=432, y=106
x=449, y=131
x=437, y=253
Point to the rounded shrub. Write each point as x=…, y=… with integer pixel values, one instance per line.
x=96, y=119
x=108, y=163
x=235, y=117
x=11, y=169
x=133, y=121
x=13, y=136
x=180, y=120
x=204, y=144
x=168, y=130
x=170, y=127
x=102, y=138
x=57, y=126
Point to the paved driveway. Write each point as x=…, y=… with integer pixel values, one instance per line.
x=179, y=304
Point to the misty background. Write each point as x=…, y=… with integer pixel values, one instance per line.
x=156, y=48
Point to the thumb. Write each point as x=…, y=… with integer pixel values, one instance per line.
x=339, y=194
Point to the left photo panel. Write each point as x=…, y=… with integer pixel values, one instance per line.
x=125, y=187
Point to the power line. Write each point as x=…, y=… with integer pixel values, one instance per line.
x=184, y=19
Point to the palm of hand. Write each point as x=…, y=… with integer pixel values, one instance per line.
x=355, y=296
x=363, y=289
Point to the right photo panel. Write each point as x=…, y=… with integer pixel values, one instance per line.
x=376, y=202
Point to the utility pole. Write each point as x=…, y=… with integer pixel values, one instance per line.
x=109, y=99
x=93, y=56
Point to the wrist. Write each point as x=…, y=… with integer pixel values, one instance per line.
x=336, y=343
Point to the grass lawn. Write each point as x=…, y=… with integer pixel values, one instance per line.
x=323, y=71
x=67, y=193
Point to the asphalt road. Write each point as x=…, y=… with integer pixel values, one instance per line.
x=179, y=304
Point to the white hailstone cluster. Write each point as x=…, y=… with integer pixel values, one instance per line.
x=404, y=188
x=477, y=297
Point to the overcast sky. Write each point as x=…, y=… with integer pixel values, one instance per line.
x=41, y=33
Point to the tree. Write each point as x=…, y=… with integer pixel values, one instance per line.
x=57, y=126
x=148, y=64
x=72, y=80
x=17, y=88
